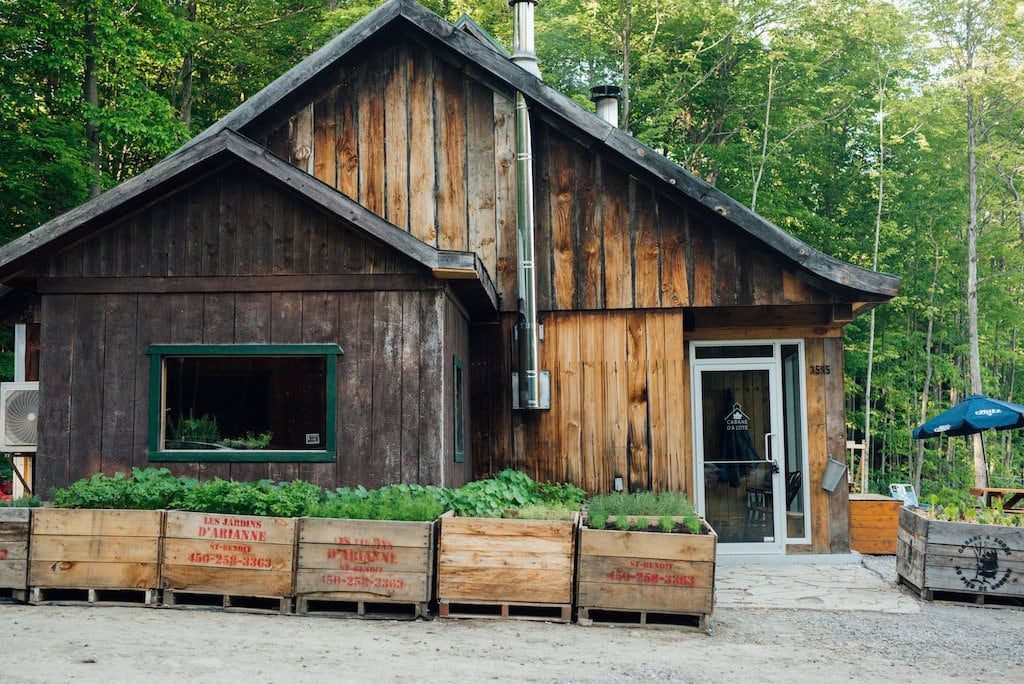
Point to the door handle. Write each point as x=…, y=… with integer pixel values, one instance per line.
x=768, y=452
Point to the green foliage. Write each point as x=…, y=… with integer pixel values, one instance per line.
x=548, y=511
x=399, y=502
x=647, y=507
x=24, y=502
x=977, y=515
x=288, y=499
x=249, y=441
x=146, y=489
x=511, y=489
x=192, y=429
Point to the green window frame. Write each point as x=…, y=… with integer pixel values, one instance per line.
x=458, y=410
x=158, y=352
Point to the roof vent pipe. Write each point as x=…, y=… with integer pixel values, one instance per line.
x=524, y=49
x=606, y=97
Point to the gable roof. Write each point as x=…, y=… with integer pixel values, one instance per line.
x=858, y=283
x=465, y=269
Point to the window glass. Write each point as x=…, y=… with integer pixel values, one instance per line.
x=251, y=403
x=793, y=436
x=460, y=418
x=736, y=351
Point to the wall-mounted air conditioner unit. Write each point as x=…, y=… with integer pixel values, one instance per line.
x=19, y=416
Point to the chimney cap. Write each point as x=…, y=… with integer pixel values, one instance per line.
x=602, y=92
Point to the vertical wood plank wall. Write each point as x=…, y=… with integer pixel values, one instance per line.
x=96, y=386
x=621, y=406
x=423, y=143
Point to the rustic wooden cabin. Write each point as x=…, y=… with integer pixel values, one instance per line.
x=408, y=259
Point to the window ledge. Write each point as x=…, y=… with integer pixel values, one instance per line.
x=215, y=456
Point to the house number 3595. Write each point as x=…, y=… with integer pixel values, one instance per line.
x=821, y=370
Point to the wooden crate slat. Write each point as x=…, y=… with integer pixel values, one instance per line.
x=509, y=546
x=230, y=528
x=676, y=573
x=612, y=597
x=365, y=532
x=99, y=522
x=237, y=555
x=412, y=587
x=330, y=557
x=13, y=574
x=191, y=578
x=13, y=532
x=506, y=527
x=82, y=575
x=95, y=549
x=630, y=544
x=14, y=515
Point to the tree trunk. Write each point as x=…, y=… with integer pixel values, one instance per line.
x=865, y=463
x=764, y=138
x=919, y=461
x=626, y=10
x=90, y=91
x=187, y=72
x=978, y=444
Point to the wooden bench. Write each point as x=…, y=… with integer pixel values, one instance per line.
x=1011, y=499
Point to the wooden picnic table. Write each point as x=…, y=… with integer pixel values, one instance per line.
x=1012, y=499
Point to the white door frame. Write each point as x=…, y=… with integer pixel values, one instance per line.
x=772, y=364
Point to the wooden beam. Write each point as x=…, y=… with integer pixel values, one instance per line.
x=284, y=283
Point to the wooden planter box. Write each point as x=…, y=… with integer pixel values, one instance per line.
x=14, y=526
x=874, y=521
x=241, y=562
x=99, y=556
x=506, y=568
x=646, y=578
x=960, y=561
x=364, y=568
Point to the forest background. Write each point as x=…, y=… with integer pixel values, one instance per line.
x=888, y=134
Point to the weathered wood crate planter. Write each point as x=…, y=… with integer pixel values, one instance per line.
x=238, y=562
x=95, y=556
x=14, y=528
x=364, y=568
x=647, y=578
x=874, y=521
x=506, y=568
x=960, y=561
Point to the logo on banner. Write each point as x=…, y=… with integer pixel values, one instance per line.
x=737, y=420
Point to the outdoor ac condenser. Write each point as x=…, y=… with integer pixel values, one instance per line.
x=19, y=416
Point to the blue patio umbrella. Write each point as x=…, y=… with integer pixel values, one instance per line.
x=974, y=414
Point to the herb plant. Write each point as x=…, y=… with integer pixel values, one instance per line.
x=646, y=507
x=29, y=501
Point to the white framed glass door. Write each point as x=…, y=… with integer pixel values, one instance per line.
x=738, y=424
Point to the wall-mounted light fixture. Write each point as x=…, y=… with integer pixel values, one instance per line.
x=618, y=483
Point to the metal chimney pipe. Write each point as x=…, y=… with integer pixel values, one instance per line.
x=606, y=97
x=529, y=362
x=524, y=48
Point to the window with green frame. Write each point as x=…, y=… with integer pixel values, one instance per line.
x=242, y=402
x=459, y=410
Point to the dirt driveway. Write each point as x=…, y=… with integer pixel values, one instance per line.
x=941, y=643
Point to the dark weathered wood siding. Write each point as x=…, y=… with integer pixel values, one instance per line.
x=149, y=279
x=424, y=143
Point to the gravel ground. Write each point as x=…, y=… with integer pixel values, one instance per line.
x=942, y=643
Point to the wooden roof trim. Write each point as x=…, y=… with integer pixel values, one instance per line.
x=673, y=177
x=18, y=253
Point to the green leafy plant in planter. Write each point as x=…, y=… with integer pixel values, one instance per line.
x=645, y=508
x=192, y=431
x=249, y=441
x=511, y=489
x=399, y=502
x=30, y=501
